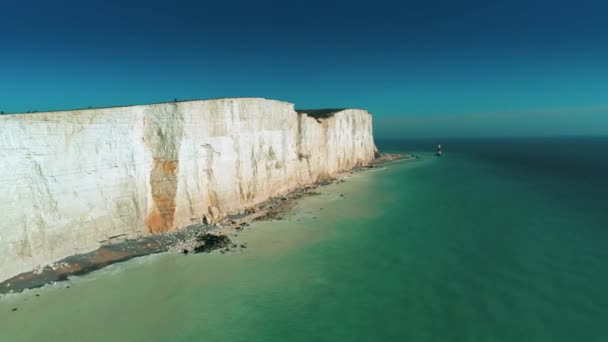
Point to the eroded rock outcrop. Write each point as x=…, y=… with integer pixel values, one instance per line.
x=207, y=242
x=73, y=179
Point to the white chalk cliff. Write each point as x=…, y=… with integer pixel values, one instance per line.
x=72, y=179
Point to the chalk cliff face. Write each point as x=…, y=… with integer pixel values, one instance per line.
x=70, y=180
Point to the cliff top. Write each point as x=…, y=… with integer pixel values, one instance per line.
x=140, y=105
x=314, y=113
x=320, y=113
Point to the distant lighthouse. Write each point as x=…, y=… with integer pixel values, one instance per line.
x=438, y=154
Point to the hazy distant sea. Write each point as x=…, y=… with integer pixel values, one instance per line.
x=499, y=240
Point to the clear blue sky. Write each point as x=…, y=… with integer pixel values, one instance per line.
x=423, y=68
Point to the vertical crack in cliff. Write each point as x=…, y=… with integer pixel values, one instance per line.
x=46, y=209
x=132, y=174
x=301, y=153
x=255, y=172
x=163, y=134
x=210, y=153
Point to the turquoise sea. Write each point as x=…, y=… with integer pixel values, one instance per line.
x=499, y=240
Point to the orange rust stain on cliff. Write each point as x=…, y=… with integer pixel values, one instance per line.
x=163, y=181
x=168, y=167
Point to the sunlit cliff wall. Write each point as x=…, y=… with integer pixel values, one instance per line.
x=72, y=179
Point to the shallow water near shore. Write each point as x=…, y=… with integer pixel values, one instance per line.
x=499, y=240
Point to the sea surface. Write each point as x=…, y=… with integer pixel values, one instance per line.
x=498, y=240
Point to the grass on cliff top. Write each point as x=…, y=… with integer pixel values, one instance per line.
x=320, y=113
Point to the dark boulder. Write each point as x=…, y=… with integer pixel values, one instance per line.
x=209, y=242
